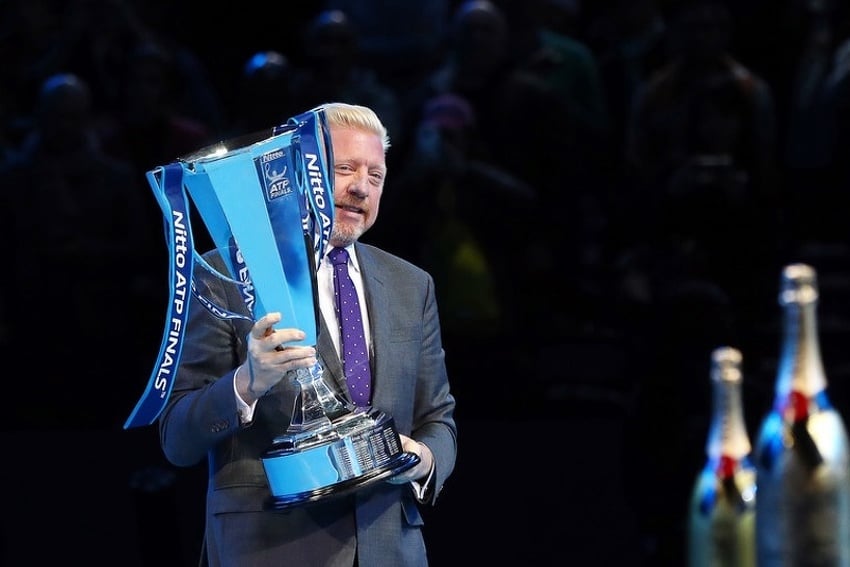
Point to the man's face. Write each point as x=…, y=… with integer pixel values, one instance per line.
x=359, y=172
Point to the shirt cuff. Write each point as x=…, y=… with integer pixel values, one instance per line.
x=421, y=489
x=246, y=412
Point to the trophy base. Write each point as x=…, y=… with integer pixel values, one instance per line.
x=400, y=463
x=354, y=451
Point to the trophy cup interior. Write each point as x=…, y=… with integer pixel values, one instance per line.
x=238, y=143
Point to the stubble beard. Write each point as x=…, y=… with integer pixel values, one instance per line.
x=343, y=236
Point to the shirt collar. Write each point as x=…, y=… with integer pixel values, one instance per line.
x=352, y=257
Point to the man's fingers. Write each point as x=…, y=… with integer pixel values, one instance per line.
x=264, y=325
x=282, y=336
x=295, y=353
x=264, y=329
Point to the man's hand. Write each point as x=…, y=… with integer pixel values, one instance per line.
x=421, y=470
x=269, y=359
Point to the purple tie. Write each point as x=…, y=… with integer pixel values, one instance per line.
x=355, y=357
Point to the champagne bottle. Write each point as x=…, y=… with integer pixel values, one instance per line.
x=801, y=452
x=721, y=530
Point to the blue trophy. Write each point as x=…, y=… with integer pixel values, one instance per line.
x=266, y=200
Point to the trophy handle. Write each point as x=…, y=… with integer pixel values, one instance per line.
x=167, y=185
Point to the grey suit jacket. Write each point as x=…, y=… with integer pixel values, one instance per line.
x=381, y=522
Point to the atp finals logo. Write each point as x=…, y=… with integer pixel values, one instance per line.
x=274, y=171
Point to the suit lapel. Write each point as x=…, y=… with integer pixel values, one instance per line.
x=331, y=365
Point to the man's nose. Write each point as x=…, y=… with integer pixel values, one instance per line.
x=358, y=185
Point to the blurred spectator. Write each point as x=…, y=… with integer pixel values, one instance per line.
x=703, y=108
x=561, y=65
x=97, y=41
x=628, y=38
x=29, y=51
x=454, y=192
x=448, y=200
x=333, y=70
x=769, y=37
x=819, y=127
x=554, y=91
x=148, y=129
x=71, y=218
x=401, y=41
x=265, y=93
x=475, y=66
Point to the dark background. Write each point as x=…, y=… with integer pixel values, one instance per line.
x=582, y=416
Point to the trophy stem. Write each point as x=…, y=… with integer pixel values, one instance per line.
x=317, y=406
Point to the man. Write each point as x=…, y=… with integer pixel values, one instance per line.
x=234, y=392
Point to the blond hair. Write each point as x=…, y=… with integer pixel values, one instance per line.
x=355, y=116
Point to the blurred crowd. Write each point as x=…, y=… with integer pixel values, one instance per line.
x=604, y=191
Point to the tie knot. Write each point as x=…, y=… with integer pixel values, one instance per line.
x=338, y=256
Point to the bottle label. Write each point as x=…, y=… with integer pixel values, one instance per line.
x=724, y=533
x=803, y=513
